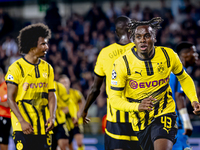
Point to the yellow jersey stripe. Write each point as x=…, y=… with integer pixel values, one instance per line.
x=26, y=113
x=127, y=65
x=121, y=137
x=22, y=71
x=167, y=57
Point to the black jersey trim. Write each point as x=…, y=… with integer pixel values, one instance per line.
x=11, y=83
x=146, y=118
x=126, y=117
x=127, y=65
x=38, y=121
x=136, y=55
x=98, y=75
x=165, y=101
x=118, y=116
x=44, y=116
x=180, y=73
x=122, y=44
x=167, y=57
x=29, y=62
x=120, y=128
x=133, y=100
x=110, y=110
x=52, y=90
x=24, y=107
x=22, y=71
x=37, y=72
x=139, y=122
x=156, y=107
x=117, y=88
x=149, y=67
x=159, y=91
x=48, y=70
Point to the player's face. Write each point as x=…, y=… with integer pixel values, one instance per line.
x=42, y=47
x=65, y=82
x=192, y=56
x=144, y=41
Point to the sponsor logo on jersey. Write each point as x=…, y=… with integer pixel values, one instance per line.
x=134, y=85
x=27, y=85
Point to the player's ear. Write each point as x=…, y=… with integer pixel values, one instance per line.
x=154, y=39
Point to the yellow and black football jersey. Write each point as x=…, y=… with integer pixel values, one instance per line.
x=34, y=82
x=76, y=97
x=63, y=100
x=103, y=68
x=138, y=79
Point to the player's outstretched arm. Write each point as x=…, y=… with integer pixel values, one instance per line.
x=52, y=108
x=92, y=95
x=12, y=92
x=189, y=89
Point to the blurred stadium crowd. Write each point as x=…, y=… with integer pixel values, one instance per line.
x=74, y=47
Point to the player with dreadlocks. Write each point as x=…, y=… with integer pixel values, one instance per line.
x=142, y=76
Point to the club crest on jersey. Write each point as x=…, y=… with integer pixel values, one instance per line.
x=114, y=74
x=10, y=77
x=45, y=75
x=161, y=68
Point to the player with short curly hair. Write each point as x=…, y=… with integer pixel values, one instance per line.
x=31, y=97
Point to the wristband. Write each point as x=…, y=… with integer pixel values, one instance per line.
x=186, y=119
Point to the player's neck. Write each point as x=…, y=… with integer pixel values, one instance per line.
x=31, y=58
x=124, y=40
x=183, y=62
x=68, y=91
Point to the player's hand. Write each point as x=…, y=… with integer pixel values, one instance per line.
x=78, y=114
x=85, y=119
x=26, y=127
x=50, y=124
x=196, y=107
x=75, y=121
x=188, y=132
x=146, y=104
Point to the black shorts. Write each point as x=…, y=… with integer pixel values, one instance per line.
x=74, y=131
x=5, y=125
x=120, y=129
x=162, y=127
x=31, y=142
x=59, y=132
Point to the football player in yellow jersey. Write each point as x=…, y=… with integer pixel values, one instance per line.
x=118, y=133
x=61, y=136
x=143, y=77
x=76, y=131
x=31, y=96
